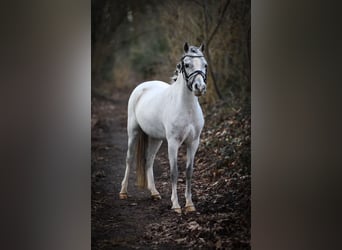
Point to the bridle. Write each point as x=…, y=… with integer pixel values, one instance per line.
x=193, y=74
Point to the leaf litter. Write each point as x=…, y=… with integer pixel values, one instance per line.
x=221, y=189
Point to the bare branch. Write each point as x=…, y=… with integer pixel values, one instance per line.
x=218, y=22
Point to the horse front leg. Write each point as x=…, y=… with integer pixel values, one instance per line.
x=173, y=146
x=191, y=151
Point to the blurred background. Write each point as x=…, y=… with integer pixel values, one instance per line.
x=135, y=41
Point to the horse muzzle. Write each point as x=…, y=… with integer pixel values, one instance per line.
x=199, y=89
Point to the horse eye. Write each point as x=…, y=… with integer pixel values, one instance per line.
x=187, y=65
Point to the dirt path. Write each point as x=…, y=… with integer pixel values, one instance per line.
x=221, y=220
x=115, y=222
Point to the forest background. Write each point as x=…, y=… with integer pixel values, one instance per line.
x=135, y=41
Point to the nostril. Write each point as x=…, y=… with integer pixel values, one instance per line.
x=196, y=86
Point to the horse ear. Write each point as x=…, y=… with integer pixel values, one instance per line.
x=186, y=47
x=202, y=47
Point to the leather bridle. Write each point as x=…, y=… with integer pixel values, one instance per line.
x=192, y=74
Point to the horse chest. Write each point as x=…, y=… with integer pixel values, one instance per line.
x=186, y=126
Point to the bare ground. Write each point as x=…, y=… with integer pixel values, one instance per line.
x=220, y=187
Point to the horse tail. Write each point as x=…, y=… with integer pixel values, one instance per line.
x=141, y=159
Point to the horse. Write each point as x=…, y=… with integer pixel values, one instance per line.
x=159, y=111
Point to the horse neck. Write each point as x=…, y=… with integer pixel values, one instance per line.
x=182, y=94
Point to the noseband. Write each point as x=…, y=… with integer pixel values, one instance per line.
x=193, y=74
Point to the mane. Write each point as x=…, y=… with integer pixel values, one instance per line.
x=175, y=74
x=193, y=51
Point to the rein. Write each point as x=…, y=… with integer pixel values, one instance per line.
x=192, y=74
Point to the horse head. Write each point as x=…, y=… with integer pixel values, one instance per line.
x=194, y=68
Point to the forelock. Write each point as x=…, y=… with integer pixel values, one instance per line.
x=195, y=51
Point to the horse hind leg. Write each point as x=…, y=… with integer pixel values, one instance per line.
x=132, y=140
x=152, y=149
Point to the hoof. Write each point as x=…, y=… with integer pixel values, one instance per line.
x=155, y=196
x=123, y=196
x=190, y=209
x=177, y=210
